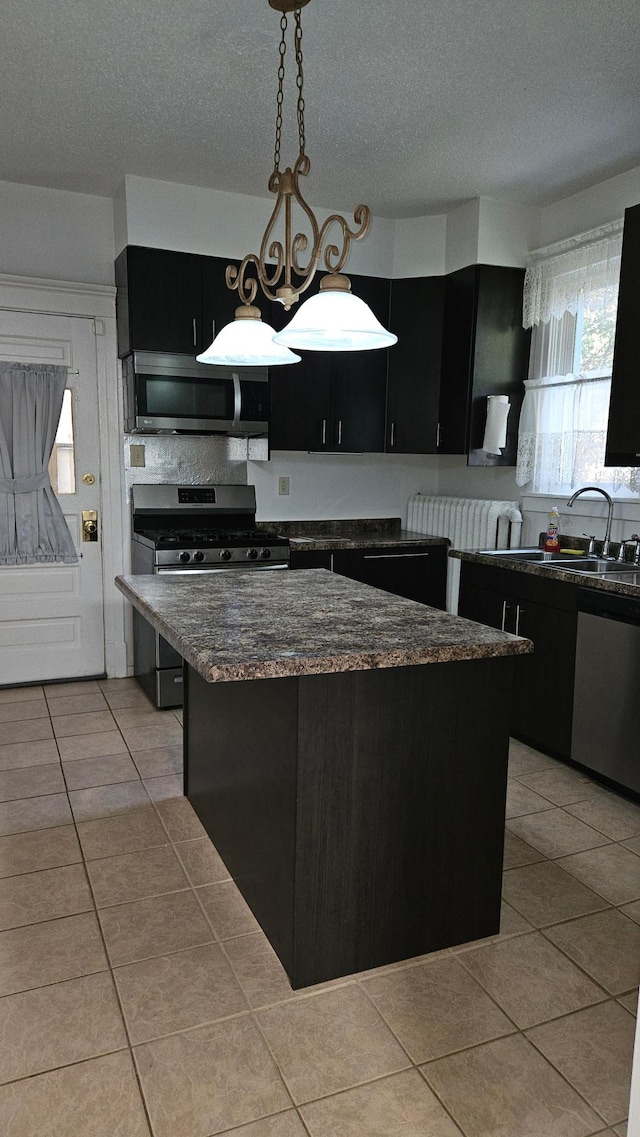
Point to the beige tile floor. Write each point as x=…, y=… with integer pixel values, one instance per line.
x=138, y=995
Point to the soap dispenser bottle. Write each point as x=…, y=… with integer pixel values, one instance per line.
x=552, y=541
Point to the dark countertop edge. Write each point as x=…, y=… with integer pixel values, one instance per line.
x=507, y=645
x=367, y=661
x=334, y=543
x=583, y=580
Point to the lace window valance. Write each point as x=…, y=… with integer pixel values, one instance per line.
x=559, y=276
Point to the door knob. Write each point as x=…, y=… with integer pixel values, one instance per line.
x=89, y=479
x=89, y=525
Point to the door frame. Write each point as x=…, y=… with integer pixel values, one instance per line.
x=97, y=302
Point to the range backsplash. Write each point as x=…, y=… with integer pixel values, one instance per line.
x=187, y=460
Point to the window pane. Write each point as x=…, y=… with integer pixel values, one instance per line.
x=62, y=465
x=598, y=333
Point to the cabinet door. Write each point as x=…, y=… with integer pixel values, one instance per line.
x=159, y=301
x=300, y=408
x=358, y=392
x=457, y=355
x=419, y=573
x=542, y=705
x=302, y=559
x=500, y=358
x=359, y=381
x=487, y=607
x=413, y=384
x=219, y=303
x=542, y=699
x=485, y=351
x=623, y=434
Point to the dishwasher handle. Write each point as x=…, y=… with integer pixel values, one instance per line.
x=609, y=605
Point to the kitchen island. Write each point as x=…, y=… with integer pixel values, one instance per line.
x=346, y=751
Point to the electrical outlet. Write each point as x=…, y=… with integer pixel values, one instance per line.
x=283, y=487
x=136, y=455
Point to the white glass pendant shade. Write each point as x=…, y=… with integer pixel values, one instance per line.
x=335, y=320
x=247, y=342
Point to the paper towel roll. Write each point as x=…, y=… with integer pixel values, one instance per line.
x=495, y=431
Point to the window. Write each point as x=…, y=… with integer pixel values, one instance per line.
x=571, y=297
x=62, y=465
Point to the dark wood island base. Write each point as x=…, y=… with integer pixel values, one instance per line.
x=361, y=813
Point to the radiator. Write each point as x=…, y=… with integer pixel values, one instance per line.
x=469, y=523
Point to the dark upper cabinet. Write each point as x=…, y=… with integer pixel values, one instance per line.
x=485, y=351
x=159, y=300
x=219, y=302
x=170, y=302
x=623, y=433
x=332, y=401
x=413, y=382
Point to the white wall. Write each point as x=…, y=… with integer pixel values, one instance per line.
x=597, y=205
x=56, y=235
x=420, y=246
x=344, y=486
x=197, y=220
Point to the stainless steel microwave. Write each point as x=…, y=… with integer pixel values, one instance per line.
x=173, y=394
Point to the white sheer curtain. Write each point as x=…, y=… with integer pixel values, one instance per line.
x=562, y=435
x=563, y=422
x=559, y=277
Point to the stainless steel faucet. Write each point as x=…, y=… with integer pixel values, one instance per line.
x=607, y=536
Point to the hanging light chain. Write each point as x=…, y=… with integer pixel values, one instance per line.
x=300, y=79
x=282, y=50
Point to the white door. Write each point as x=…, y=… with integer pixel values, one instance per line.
x=52, y=616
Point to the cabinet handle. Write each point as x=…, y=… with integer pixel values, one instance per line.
x=392, y=556
x=324, y=431
x=195, y=333
x=438, y=442
x=213, y=330
x=339, y=431
x=392, y=441
x=505, y=609
x=519, y=613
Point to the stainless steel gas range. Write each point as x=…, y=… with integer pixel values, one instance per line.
x=191, y=529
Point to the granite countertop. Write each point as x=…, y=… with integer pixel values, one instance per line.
x=624, y=583
x=358, y=533
x=363, y=540
x=259, y=625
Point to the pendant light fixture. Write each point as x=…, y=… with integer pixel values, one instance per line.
x=334, y=319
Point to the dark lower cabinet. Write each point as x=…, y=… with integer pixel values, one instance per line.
x=623, y=433
x=308, y=559
x=419, y=573
x=545, y=612
x=414, y=571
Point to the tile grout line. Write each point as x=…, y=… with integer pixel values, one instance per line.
x=112, y=976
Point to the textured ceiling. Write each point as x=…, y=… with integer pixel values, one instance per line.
x=412, y=107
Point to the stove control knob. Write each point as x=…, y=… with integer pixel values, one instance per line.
x=198, y=557
x=265, y=554
x=184, y=557
x=225, y=555
x=252, y=554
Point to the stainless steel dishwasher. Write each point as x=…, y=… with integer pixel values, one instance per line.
x=606, y=707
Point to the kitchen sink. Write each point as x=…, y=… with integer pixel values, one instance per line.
x=577, y=563
x=532, y=556
x=600, y=568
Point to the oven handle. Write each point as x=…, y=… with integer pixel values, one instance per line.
x=227, y=568
x=237, y=398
